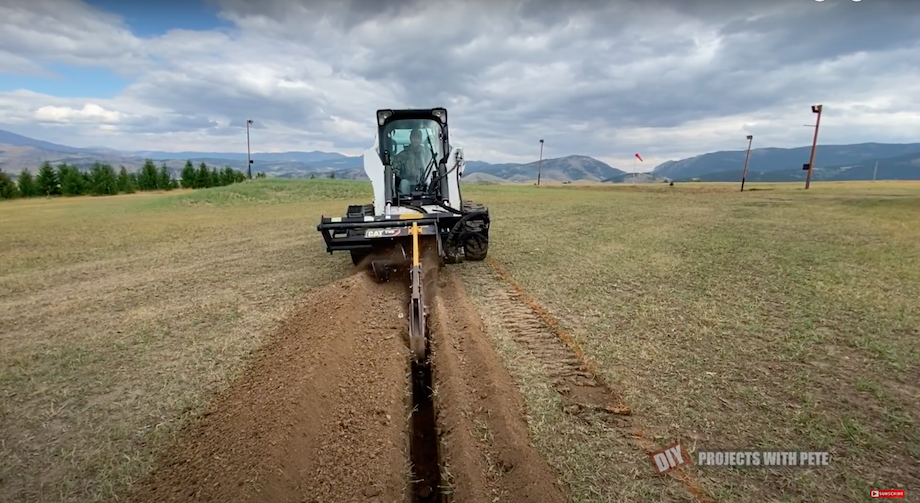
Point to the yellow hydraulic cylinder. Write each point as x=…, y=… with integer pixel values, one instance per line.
x=415, y=231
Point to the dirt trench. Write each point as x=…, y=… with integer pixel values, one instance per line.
x=482, y=431
x=327, y=412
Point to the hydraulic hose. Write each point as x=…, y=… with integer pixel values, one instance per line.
x=455, y=230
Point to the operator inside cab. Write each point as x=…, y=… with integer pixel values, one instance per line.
x=410, y=164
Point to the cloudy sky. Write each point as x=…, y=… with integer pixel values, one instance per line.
x=665, y=78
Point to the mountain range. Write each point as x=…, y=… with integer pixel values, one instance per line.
x=896, y=161
x=832, y=162
x=19, y=152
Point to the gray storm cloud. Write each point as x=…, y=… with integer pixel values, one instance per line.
x=668, y=78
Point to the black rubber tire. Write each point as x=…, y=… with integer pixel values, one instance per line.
x=476, y=247
x=476, y=232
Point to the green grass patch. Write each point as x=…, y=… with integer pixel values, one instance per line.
x=278, y=192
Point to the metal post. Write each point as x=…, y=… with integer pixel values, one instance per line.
x=874, y=172
x=540, y=164
x=746, y=157
x=814, y=144
x=248, y=152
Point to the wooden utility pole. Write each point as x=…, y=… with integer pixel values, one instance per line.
x=746, y=157
x=540, y=164
x=814, y=144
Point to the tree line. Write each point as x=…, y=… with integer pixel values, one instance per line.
x=101, y=179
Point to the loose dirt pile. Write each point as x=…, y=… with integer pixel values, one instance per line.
x=325, y=412
x=483, y=434
x=319, y=416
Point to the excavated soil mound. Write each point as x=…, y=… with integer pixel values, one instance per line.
x=319, y=416
x=323, y=413
x=483, y=433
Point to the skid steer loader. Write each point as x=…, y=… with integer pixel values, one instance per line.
x=418, y=220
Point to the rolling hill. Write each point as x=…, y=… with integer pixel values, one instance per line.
x=18, y=152
x=573, y=167
x=832, y=162
x=779, y=164
x=16, y=140
x=903, y=167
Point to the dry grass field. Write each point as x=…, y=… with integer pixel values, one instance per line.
x=776, y=319
x=120, y=316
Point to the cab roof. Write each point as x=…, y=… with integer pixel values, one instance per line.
x=386, y=115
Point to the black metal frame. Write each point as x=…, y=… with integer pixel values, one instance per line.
x=339, y=233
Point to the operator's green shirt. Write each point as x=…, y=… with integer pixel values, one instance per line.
x=410, y=164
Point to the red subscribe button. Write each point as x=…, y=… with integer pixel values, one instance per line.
x=887, y=493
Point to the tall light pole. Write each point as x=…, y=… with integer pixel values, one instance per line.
x=540, y=164
x=750, y=139
x=816, y=109
x=248, y=152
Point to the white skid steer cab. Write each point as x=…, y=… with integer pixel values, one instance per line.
x=418, y=220
x=415, y=174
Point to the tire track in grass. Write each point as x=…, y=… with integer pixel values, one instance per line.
x=572, y=373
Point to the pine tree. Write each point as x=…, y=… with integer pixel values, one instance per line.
x=49, y=184
x=103, y=181
x=8, y=189
x=189, y=176
x=149, y=177
x=27, y=186
x=124, y=183
x=110, y=178
x=73, y=182
x=96, y=185
x=215, y=178
x=164, y=181
x=204, y=176
x=226, y=176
